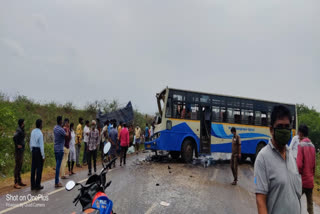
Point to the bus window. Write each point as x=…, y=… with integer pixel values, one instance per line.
x=178, y=97
x=223, y=115
x=236, y=115
x=264, y=118
x=188, y=111
x=269, y=119
x=194, y=112
x=169, y=108
x=215, y=113
x=257, y=117
x=230, y=118
x=177, y=110
x=183, y=111
x=204, y=99
x=245, y=114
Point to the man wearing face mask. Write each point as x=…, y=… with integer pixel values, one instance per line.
x=278, y=184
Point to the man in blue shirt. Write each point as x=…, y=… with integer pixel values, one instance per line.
x=59, y=140
x=37, y=149
x=113, y=137
x=146, y=133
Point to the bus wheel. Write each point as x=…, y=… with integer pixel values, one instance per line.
x=175, y=154
x=243, y=158
x=187, y=151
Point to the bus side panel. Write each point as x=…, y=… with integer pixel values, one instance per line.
x=171, y=140
x=247, y=146
x=250, y=137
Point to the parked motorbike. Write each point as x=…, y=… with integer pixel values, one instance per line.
x=92, y=195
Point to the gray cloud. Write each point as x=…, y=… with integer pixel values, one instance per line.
x=12, y=47
x=40, y=21
x=130, y=50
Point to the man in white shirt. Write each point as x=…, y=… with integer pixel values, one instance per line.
x=86, y=131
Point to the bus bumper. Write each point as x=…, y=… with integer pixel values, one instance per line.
x=151, y=145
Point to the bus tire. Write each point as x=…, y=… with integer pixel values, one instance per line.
x=187, y=150
x=243, y=158
x=175, y=154
x=258, y=149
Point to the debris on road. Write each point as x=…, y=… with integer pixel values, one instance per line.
x=163, y=203
x=157, y=185
x=206, y=161
x=169, y=167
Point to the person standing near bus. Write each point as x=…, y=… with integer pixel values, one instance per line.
x=124, y=143
x=146, y=132
x=59, y=142
x=78, y=141
x=277, y=181
x=38, y=156
x=92, y=145
x=86, y=131
x=306, y=161
x=66, y=148
x=236, y=155
x=19, y=142
x=137, y=136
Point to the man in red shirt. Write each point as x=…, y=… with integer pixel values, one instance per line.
x=124, y=144
x=306, y=162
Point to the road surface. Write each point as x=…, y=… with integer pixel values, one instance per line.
x=141, y=186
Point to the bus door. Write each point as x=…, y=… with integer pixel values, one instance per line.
x=205, y=129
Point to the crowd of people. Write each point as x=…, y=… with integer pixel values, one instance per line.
x=68, y=141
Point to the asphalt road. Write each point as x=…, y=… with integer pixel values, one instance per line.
x=141, y=186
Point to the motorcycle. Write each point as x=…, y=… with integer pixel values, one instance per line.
x=92, y=195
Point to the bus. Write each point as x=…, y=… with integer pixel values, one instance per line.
x=193, y=123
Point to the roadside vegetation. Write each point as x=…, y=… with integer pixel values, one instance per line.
x=11, y=109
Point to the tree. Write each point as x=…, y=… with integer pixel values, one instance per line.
x=311, y=118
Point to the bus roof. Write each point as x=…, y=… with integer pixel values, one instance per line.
x=226, y=96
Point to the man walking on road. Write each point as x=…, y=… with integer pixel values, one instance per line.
x=38, y=157
x=59, y=141
x=93, y=143
x=124, y=143
x=236, y=154
x=277, y=180
x=86, y=131
x=19, y=143
x=66, y=147
x=306, y=161
x=78, y=141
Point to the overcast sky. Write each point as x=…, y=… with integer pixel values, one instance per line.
x=83, y=50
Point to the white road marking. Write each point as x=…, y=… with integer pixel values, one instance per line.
x=151, y=208
x=50, y=193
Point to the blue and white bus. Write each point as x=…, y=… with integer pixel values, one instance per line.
x=194, y=123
